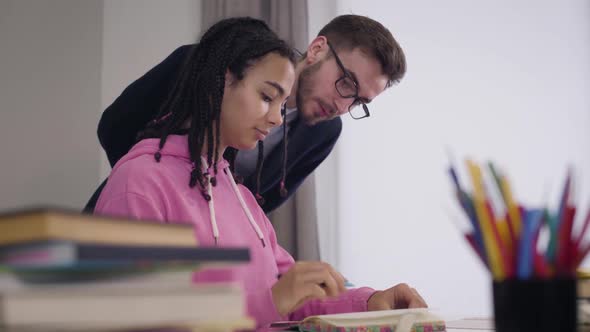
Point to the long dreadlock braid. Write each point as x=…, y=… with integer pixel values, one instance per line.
x=232, y=44
x=284, y=166
x=259, y=163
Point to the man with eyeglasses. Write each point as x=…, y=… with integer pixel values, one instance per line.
x=351, y=61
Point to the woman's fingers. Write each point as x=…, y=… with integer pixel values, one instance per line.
x=325, y=275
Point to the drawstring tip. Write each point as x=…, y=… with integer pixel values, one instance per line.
x=263, y=244
x=215, y=240
x=283, y=190
x=158, y=156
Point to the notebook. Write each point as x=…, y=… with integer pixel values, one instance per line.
x=400, y=320
x=66, y=253
x=68, y=261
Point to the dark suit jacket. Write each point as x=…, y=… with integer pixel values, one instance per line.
x=139, y=103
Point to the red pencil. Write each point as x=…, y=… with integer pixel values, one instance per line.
x=508, y=268
x=564, y=260
x=540, y=265
x=578, y=241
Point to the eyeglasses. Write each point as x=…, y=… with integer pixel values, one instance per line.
x=348, y=87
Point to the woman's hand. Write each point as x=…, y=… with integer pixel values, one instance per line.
x=303, y=282
x=400, y=296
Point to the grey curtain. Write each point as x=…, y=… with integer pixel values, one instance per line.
x=288, y=18
x=295, y=221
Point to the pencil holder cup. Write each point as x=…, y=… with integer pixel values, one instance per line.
x=539, y=305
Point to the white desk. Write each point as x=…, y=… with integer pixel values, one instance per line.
x=470, y=324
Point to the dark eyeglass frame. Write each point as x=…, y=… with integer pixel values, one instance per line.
x=357, y=100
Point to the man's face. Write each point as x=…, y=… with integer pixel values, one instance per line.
x=317, y=97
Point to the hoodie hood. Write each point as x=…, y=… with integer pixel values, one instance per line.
x=176, y=146
x=175, y=154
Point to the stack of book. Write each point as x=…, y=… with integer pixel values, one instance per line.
x=65, y=271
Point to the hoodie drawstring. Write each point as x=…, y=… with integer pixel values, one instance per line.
x=211, y=204
x=240, y=198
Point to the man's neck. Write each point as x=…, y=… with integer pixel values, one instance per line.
x=292, y=101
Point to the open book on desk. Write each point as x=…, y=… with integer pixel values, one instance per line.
x=400, y=320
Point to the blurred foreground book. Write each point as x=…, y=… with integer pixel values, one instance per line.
x=63, y=271
x=54, y=224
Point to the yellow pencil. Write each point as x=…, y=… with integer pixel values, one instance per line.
x=512, y=207
x=479, y=201
x=504, y=232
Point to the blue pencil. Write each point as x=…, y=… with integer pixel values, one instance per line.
x=526, y=250
x=467, y=205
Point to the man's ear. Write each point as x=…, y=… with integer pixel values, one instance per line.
x=317, y=50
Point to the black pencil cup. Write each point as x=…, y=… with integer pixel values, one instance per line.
x=535, y=305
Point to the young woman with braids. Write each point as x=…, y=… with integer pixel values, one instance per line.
x=228, y=96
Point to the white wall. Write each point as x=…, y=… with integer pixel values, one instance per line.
x=50, y=54
x=138, y=34
x=499, y=80
x=61, y=63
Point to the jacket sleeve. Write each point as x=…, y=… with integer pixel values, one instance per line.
x=137, y=105
x=300, y=167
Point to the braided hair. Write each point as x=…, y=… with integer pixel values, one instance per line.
x=233, y=44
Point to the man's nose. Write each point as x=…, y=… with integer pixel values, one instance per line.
x=342, y=104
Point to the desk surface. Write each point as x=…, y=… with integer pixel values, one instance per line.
x=485, y=325
x=470, y=324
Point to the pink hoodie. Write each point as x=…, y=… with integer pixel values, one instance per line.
x=141, y=188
